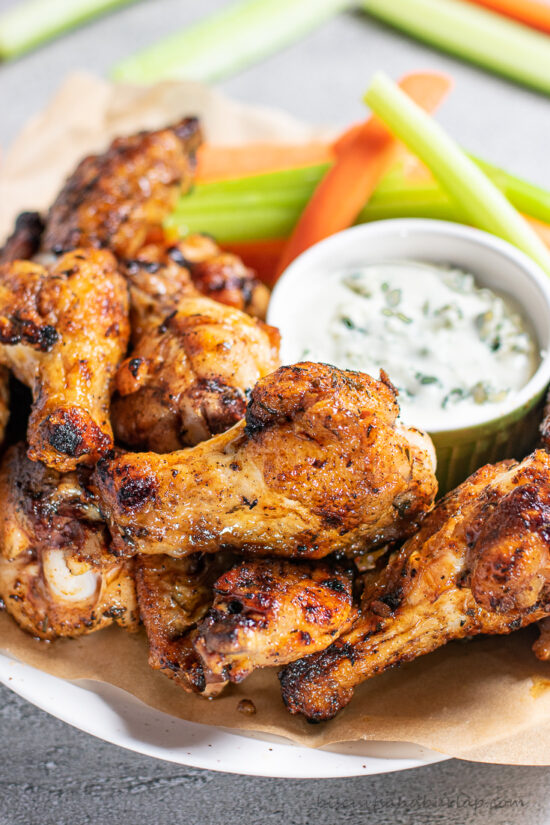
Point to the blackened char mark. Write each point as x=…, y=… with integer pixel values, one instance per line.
x=16, y=330
x=296, y=677
x=73, y=432
x=24, y=242
x=135, y=491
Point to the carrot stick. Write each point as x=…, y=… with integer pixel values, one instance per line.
x=217, y=163
x=542, y=229
x=261, y=256
x=530, y=12
x=363, y=156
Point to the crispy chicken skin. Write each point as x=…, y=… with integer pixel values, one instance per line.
x=4, y=401
x=116, y=198
x=57, y=577
x=194, y=359
x=318, y=465
x=480, y=563
x=24, y=242
x=545, y=425
x=173, y=595
x=63, y=332
x=220, y=275
x=157, y=284
x=190, y=377
x=271, y=612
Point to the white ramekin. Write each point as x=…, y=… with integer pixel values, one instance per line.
x=487, y=437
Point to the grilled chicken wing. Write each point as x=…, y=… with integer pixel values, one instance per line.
x=173, y=595
x=221, y=275
x=194, y=360
x=480, y=563
x=115, y=199
x=190, y=377
x=319, y=465
x=271, y=612
x=24, y=242
x=57, y=577
x=63, y=333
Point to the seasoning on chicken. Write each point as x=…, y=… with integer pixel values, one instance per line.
x=63, y=332
x=157, y=284
x=173, y=595
x=24, y=242
x=4, y=401
x=271, y=612
x=190, y=377
x=220, y=275
x=194, y=360
x=480, y=563
x=57, y=577
x=320, y=465
x=115, y=199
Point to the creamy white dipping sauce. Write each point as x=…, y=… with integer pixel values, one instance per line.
x=448, y=346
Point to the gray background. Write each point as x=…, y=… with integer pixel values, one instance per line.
x=51, y=773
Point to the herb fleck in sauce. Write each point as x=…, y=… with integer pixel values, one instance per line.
x=447, y=344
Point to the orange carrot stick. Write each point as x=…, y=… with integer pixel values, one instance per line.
x=542, y=229
x=217, y=163
x=261, y=256
x=363, y=156
x=530, y=12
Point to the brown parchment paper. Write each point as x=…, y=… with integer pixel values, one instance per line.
x=487, y=700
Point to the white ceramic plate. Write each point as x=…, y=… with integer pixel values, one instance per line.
x=118, y=717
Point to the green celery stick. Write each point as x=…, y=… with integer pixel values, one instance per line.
x=268, y=205
x=28, y=24
x=483, y=204
x=474, y=34
x=238, y=36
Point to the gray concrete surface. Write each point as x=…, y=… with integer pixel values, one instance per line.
x=51, y=773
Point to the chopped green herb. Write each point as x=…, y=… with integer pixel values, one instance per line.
x=355, y=285
x=393, y=298
x=403, y=317
x=427, y=379
x=458, y=394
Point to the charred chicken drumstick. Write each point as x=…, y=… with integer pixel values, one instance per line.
x=173, y=595
x=220, y=275
x=193, y=363
x=319, y=465
x=63, y=332
x=116, y=199
x=189, y=378
x=271, y=612
x=57, y=577
x=480, y=563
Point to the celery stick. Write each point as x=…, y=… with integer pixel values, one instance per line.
x=235, y=223
x=242, y=216
x=268, y=205
x=237, y=36
x=250, y=223
x=474, y=34
x=483, y=204
x=30, y=23
x=526, y=197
